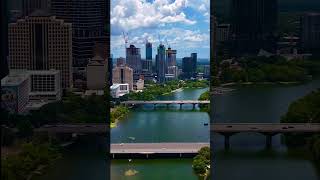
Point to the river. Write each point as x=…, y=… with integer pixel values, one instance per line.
x=147, y=124
x=247, y=158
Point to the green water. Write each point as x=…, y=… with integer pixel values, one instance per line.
x=247, y=158
x=147, y=124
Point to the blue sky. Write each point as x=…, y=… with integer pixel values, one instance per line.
x=184, y=24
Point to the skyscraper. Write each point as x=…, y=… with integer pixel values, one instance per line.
x=133, y=58
x=171, y=57
x=147, y=63
x=123, y=74
x=161, y=63
x=41, y=42
x=253, y=27
x=89, y=25
x=148, y=51
x=189, y=65
x=310, y=33
x=187, y=70
x=194, y=62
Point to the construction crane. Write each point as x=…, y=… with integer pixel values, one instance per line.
x=125, y=38
x=167, y=43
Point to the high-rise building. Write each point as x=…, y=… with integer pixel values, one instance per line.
x=133, y=58
x=223, y=32
x=121, y=61
x=171, y=57
x=189, y=65
x=174, y=70
x=97, y=73
x=161, y=64
x=148, y=51
x=194, y=61
x=310, y=33
x=146, y=65
x=123, y=74
x=89, y=26
x=254, y=24
x=41, y=42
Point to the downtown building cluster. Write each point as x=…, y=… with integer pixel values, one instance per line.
x=132, y=70
x=53, y=47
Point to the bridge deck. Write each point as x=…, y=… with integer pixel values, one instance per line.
x=167, y=102
x=265, y=127
x=216, y=128
x=157, y=148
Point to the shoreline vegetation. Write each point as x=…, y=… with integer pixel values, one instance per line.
x=32, y=159
x=201, y=163
x=264, y=70
x=153, y=91
x=35, y=153
x=118, y=113
x=305, y=110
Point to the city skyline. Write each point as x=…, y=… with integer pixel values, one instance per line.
x=180, y=24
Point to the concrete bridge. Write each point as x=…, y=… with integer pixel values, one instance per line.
x=226, y=129
x=150, y=150
x=180, y=102
x=267, y=129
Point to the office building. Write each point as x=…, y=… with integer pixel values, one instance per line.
x=123, y=74
x=146, y=65
x=45, y=85
x=42, y=42
x=171, y=57
x=89, y=20
x=310, y=33
x=148, y=51
x=118, y=90
x=161, y=64
x=133, y=58
x=189, y=65
x=121, y=61
x=223, y=32
x=15, y=89
x=97, y=73
x=173, y=70
x=194, y=61
x=254, y=24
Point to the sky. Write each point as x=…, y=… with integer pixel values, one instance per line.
x=181, y=24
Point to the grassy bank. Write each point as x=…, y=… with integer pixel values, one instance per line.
x=118, y=113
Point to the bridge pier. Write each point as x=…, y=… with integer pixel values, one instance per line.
x=154, y=106
x=227, y=142
x=180, y=106
x=269, y=139
x=193, y=106
x=168, y=106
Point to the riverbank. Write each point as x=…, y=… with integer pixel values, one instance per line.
x=116, y=114
x=260, y=104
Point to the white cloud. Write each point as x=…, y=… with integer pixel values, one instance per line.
x=128, y=15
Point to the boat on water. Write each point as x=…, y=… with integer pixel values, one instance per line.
x=205, y=124
x=132, y=138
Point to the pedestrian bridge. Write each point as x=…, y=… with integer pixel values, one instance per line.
x=154, y=103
